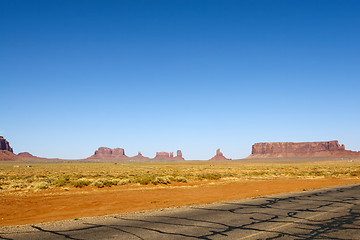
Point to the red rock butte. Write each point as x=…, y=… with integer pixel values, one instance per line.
x=104, y=153
x=301, y=149
x=108, y=153
x=219, y=156
x=5, y=145
x=6, y=152
x=169, y=156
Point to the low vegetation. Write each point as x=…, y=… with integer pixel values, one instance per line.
x=19, y=177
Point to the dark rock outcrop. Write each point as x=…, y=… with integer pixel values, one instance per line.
x=6, y=152
x=219, y=156
x=5, y=145
x=300, y=149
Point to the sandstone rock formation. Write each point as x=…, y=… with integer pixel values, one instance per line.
x=219, y=156
x=6, y=152
x=5, y=145
x=108, y=153
x=179, y=156
x=162, y=156
x=300, y=149
x=26, y=155
x=169, y=156
x=6, y=155
x=140, y=157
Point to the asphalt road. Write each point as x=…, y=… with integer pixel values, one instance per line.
x=329, y=213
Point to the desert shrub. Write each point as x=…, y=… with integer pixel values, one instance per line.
x=123, y=181
x=61, y=181
x=180, y=179
x=144, y=179
x=13, y=177
x=18, y=186
x=316, y=173
x=99, y=183
x=79, y=176
x=110, y=182
x=41, y=185
x=355, y=173
x=115, y=181
x=161, y=180
x=209, y=176
x=80, y=183
x=48, y=180
x=171, y=178
x=103, y=182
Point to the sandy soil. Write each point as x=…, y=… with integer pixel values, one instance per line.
x=20, y=208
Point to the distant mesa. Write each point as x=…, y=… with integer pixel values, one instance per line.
x=270, y=150
x=108, y=153
x=300, y=149
x=219, y=156
x=169, y=156
x=162, y=156
x=104, y=153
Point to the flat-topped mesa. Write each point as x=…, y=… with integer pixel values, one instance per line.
x=219, y=156
x=162, y=156
x=5, y=145
x=300, y=149
x=108, y=153
x=169, y=156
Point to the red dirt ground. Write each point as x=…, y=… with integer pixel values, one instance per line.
x=54, y=205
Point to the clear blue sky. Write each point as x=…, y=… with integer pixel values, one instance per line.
x=180, y=74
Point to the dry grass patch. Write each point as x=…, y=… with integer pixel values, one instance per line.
x=104, y=175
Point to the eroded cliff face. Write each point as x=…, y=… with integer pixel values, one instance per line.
x=108, y=153
x=162, y=155
x=300, y=149
x=5, y=145
x=179, y=156
x=6, y=152
x=104, y=153
x=169, y=156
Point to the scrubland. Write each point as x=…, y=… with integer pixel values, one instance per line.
x=44, y=177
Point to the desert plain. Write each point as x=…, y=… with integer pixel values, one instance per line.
x=43, y=192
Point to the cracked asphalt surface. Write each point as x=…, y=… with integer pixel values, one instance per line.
x=328, y=213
